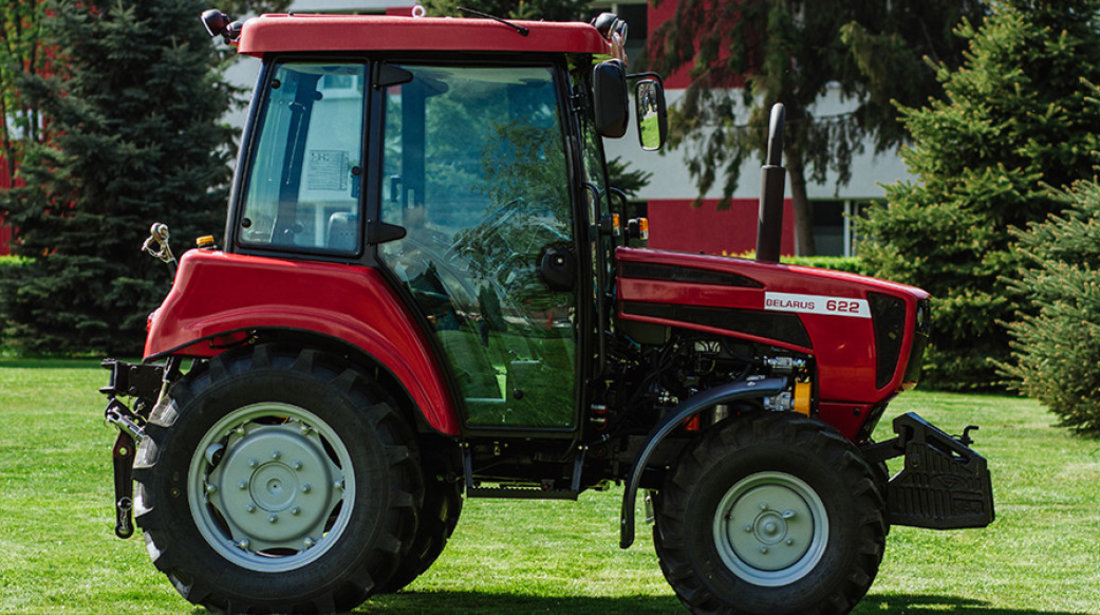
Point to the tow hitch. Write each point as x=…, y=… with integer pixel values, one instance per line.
x=944, y=484
x=142, y=382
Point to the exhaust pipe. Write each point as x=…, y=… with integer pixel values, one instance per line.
x=769, y=223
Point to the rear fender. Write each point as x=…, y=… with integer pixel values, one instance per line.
x=217, y=296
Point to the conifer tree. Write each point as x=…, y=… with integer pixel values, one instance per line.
x=135, y=108
x=1015, y=121
x=750, y=54
x=1056, y=349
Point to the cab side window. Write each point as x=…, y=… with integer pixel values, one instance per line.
x=304, y=184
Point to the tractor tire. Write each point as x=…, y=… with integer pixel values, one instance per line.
x=770, y=513
x=277, y=480
x=437, y=520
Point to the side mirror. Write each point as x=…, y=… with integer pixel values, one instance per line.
x=652, y=114
x=558, y=268
x=612, y=108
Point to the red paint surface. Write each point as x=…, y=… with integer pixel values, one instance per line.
x=681, y=78
x=277, y=33
x=843, y=347
x=675, y=225
x=215, y=293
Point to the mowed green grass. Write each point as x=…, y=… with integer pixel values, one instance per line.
x=58, y=553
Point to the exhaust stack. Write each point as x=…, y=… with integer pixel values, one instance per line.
x=769, y=224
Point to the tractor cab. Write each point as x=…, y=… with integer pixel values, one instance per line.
x=472, y=178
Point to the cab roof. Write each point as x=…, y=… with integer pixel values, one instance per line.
x=284, y=33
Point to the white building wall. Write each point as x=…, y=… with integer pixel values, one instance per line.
x=671, y=179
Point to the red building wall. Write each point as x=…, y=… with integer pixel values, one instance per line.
x=675, y=225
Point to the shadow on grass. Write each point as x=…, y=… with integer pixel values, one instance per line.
x=921, y=604
x=470, y=603
x=514, y=604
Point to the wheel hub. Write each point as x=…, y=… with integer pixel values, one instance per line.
x=275, y=486
x=267, y=484
x=770, y=528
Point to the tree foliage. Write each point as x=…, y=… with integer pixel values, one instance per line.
x=1016, y=120
x=21, y=55
x=796, y=53
x=1056, y=350
x=136, y=117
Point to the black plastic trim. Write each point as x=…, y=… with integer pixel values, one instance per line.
x=777, y=326
x=689, y=275
x=888, y=322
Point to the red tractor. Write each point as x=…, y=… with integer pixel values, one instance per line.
x=427, y=293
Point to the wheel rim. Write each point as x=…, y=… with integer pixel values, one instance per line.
x=270, y=487
x=771, y=528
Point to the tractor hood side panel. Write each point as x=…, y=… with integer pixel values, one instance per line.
x=217, y=294
x=824, y=313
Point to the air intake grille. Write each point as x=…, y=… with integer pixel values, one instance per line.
x=888, y=318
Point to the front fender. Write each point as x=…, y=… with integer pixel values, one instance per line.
x=742, y=389
x=217, y=293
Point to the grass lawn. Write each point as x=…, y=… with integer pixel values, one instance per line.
x=58, y=553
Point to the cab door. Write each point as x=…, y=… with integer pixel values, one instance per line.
x=476, y=184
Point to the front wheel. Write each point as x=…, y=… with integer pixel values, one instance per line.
x=277, y=481
x=770, y=513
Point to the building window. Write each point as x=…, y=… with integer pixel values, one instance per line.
x=834, y=226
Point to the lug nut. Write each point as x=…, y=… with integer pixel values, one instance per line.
x=276, y=454
x=272, y=518
x=297, y=465
x=306, y=487
x=296, y=511
x=250, y=507
x=243, y=484
x=253, y=462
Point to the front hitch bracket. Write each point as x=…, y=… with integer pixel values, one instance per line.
x=123, y=457
x=143, y=382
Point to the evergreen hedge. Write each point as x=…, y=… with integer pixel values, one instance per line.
x=1016, y=120
x=1056, y=350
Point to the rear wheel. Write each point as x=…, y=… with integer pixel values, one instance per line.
x=770, y=513
x=437, y=520
x=277, y=481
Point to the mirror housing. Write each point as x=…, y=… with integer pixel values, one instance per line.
x=612, y=104
x=651, y=114
x=558, y=268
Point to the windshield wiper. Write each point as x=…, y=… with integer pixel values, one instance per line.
x=523, y=31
